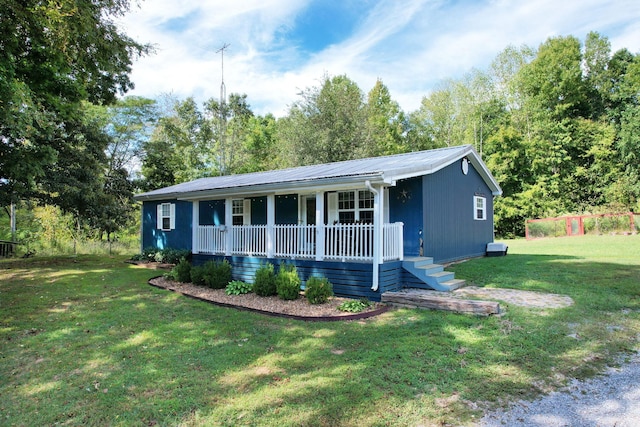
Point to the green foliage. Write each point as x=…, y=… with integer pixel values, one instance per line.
x=181, y=272
x=213, y=274
x=56, y=57
x=264, y=283
x=288, y=282
x=355, y=306
x=318, y=290
x=238, y=287
x=167, y=255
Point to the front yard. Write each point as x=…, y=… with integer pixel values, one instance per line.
x=88, y=341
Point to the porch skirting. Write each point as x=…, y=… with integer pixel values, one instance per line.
x=349, y=279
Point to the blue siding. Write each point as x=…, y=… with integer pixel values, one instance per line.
x=179, y=238
x=405, y=205
x=211, y=212
x=450, y=232
x=349, y=279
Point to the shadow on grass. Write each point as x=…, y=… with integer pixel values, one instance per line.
x=79, y=348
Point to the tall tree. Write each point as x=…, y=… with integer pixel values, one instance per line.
x=230, y=127
x=53, y=56
x=386, y=124
x=326, y=125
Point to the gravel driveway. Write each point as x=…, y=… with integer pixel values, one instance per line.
x=612, y=399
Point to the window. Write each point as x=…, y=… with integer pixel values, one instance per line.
x=479, y=208
x=237, y=210
x=166, y=216
x=355, y=206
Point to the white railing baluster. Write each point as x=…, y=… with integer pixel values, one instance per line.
x=342, y=241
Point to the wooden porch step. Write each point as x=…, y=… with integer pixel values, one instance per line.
x=438, y=300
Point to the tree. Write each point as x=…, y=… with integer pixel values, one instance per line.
x=53, y=57
x=129, y=123
x=260, y=145
x=326, y=125
x=385, y=122
x=230, y=124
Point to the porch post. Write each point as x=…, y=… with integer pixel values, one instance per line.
x=195, y=224
x=271, y=222
x=378, y=229
x=228, y=223
x=320, y=230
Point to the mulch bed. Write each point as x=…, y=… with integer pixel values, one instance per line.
x=298, y=309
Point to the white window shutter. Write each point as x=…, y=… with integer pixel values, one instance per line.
x=159, y=216
x=172, y=217
x=246, y=220
x=332, y=208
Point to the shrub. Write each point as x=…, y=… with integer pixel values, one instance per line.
x=318, y=290
x=264, y=283
x=197, y=275
x=173, y=256
x=238, y=287
x=167, y=255
x=217, y=274
x=181, y=272
x=354, y=306
x=214, y=274
x=288, y=282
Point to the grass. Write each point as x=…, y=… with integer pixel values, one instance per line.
x=86, y=341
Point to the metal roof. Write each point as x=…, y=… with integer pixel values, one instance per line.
x=381, y=170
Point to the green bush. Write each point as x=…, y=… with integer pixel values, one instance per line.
x=167, y=255
x=173, y=256
x=181, y=272
x=198, y=275
x=288, y=282
x=318, y=290
x=217, y=274
x=354, y=306
x=213, y=274
x=264, y=283
x=238, y=287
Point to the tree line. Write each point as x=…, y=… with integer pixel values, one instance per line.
x=558, y=125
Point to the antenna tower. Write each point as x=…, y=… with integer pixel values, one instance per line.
x=223, y=115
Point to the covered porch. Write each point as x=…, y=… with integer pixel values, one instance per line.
x=337, y=225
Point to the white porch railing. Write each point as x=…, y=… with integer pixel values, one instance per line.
x=342, y=242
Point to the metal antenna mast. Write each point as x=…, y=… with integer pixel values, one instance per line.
x=223, y=88
x=223, y=115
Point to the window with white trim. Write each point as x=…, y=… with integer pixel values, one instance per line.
x=166, y=216
x=479, y=208
x=237, y=211
x=355, y=206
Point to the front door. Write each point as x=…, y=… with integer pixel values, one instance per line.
x=310, y=210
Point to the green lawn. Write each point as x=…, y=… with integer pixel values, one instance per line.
x=88, y=342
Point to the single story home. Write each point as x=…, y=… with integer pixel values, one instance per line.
x=368, y=225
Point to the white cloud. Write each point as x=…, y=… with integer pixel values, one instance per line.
x=410, y=45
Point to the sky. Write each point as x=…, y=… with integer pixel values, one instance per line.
x=277, y=48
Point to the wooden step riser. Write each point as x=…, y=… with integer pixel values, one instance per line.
x=425, y=301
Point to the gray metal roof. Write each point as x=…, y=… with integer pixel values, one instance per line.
x=384, y=170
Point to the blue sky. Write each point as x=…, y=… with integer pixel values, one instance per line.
x=279, y=47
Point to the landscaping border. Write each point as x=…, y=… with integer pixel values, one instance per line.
x=355, y=316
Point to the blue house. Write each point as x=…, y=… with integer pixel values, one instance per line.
x=369, y=225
